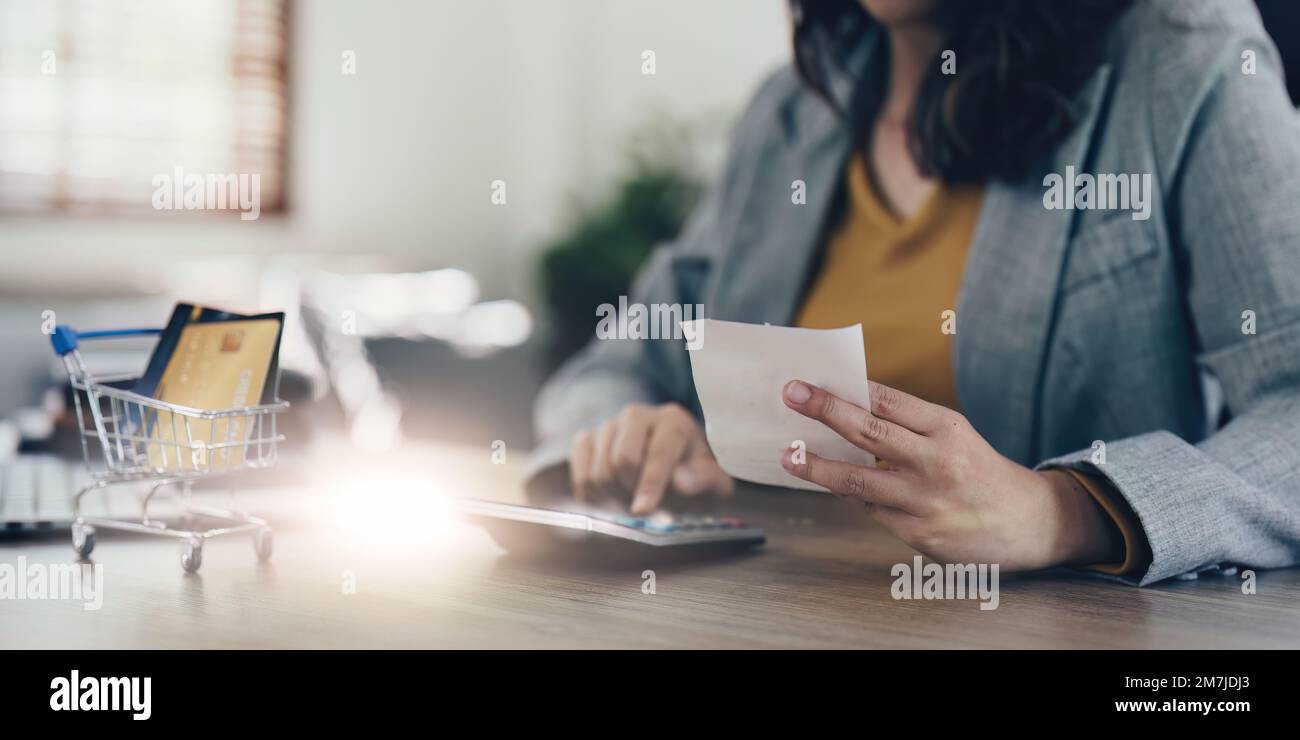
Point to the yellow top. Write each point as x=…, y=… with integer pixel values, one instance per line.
x=897, y=276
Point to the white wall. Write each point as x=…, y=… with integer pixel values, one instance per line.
x=448, y=96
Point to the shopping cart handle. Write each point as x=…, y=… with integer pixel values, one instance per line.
x=65, y=337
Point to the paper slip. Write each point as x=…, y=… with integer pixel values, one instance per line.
x=740, y=371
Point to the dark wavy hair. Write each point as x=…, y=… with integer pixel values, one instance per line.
x=1018, y=65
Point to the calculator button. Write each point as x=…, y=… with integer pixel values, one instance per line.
x=661, y=522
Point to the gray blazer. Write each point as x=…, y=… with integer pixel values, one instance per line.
x=1073, y=326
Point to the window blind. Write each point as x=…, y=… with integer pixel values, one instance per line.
x=99, y=98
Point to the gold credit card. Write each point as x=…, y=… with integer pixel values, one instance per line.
x=216, y=366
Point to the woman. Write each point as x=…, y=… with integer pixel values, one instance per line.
x=1122, y=391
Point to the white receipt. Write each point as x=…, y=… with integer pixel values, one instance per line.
x=740, y=371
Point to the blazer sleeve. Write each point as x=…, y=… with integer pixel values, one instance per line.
x=1234, y=217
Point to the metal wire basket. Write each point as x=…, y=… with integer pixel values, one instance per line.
x=127, y=437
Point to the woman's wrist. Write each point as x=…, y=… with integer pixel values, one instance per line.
x=1087, y=535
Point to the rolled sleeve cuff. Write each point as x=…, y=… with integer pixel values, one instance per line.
x=1175, y=493
x=1137, y=554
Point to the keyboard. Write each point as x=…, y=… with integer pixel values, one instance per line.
x=36, y=491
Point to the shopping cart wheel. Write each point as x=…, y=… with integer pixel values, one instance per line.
x=262, y=543
x=83, y=539
x=192, y=556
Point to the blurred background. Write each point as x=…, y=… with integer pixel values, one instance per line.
x=447, y=188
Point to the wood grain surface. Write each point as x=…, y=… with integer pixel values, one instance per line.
x=420, y=580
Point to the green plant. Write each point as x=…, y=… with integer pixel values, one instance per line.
x=595, y=260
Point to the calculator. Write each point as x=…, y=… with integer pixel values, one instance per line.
x=515, y=527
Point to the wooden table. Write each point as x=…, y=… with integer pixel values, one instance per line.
x=364, y=574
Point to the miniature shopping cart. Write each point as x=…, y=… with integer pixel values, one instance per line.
x=127, y=437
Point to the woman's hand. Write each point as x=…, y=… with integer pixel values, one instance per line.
x=947, y=492
x=643, y=452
